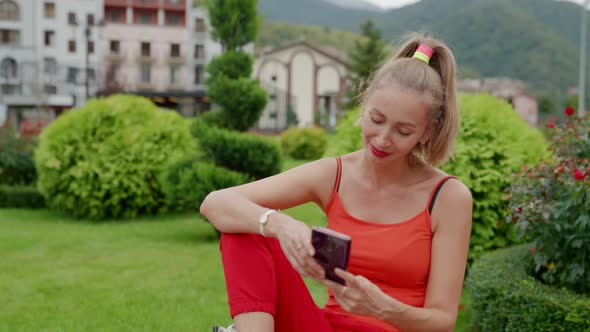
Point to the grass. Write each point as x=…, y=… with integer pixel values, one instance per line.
x=152, y=274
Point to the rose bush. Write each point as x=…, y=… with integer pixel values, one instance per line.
x=550, y=205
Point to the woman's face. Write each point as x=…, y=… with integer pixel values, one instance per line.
x=394, y=121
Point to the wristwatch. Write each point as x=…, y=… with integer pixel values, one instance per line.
x=263, y=219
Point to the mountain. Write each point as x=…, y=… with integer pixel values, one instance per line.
x=532, y=40
x=314, y=12
x=356, y=4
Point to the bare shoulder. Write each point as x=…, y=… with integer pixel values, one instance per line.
x=453, y=207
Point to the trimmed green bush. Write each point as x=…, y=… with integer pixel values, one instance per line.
x=493, y=143
x=232, y=64
x=251, y=154
x=242, y=100
x=103, y=160
x=21, y=197
x=304, y=143
x=505, y=298
x=16, y=159
x=187, y=182
x=214, y=118
x=347, y=135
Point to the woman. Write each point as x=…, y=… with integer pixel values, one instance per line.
x=409, y=222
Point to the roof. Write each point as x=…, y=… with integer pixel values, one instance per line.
x=322, y=51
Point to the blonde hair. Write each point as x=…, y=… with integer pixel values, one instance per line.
x=437, y=79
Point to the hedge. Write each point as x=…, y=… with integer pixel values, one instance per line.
x=505, y=298
x=21, y=197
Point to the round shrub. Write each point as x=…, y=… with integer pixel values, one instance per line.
x=304, y=143
x=493, y=143
x=233, y=64
x=504, y=298
x=187, y=182
x=103, y=160
x=255, y=155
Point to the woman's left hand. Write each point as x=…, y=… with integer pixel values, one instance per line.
x=360, y=296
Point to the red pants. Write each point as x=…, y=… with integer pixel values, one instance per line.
x=260, y=278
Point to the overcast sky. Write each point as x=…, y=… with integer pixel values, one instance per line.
x=399, y=3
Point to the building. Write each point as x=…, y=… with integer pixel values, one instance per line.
x=48, y=57
x=303, y=79
x=158, y=49
x=511, y=90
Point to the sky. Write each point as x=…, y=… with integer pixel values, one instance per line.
x=399, y=3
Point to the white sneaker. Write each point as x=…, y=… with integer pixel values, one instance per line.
x=230, y=328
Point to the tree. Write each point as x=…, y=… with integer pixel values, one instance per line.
x=235, y=24
x=364, y=58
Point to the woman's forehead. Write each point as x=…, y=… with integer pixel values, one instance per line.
x=399, y=104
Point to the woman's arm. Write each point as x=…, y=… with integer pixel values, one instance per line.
x=237, y=209
x=450, y=244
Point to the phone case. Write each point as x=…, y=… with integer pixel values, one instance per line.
x=332, y=250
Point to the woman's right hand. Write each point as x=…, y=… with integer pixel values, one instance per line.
x=295, y=239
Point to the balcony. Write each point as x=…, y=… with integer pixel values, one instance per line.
x=114, y=57
x=145, y=4
x=142, y=86
x=176, y=60
x=176, y=5
x=146, y=59
x=115, y=3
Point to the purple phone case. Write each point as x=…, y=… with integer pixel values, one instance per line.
x=332, y=249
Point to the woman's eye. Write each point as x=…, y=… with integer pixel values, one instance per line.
x=376, y=121
x=404, y=133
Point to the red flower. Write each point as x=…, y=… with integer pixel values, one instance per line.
x=569, y=111
x=533, y=249
x=579, y=175
x=524, y=167
x=550, y=125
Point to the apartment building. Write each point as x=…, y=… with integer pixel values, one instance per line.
x=48, y=57
x=158, y=49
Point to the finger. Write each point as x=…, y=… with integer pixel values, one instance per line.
x=348, y=277
x=317, y=268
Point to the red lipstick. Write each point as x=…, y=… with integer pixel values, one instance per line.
x=378, y=153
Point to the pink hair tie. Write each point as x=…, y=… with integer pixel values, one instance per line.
x=424, y=53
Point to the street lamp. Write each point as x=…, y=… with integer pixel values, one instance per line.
x=582, y=85
x=87, y=32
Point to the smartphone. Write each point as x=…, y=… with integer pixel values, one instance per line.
x=332, y=250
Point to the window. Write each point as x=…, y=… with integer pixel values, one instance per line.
x=50, y=89
x=9, y=36
x=199, y=70
x=90, y=20
x=8, y=68
x=173, y=19
x=8, y=10
x=72, y=46
x=145, y=73
x=90, y=47
x=49, y=38
x=10, y=89
x=72, y=76
x=50, y=66
x=91, y=75
x=145, y=49
x=115, y=16
x=49, y=10
x=72, y=18
x=115, y=47
x=174, y=70
x=175, y=50
x=200, y=25
x=199, y=51
x=143, y=17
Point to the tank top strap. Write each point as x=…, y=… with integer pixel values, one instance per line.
x=435, y=191
x=338, y=175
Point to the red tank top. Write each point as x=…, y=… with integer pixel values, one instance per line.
x=396, y=257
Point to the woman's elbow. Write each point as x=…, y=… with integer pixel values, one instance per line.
x=207, y=204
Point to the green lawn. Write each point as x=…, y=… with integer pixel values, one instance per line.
x=152, y=274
